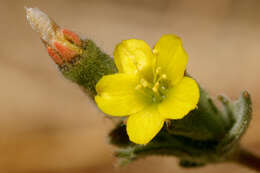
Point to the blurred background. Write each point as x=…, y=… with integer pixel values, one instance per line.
x=47, y=125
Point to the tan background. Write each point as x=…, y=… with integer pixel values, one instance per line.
x=48, y=125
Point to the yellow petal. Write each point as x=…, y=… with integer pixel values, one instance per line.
x=171, y=57
x=180, y=99
x=117, y=95
x=133, y=57
x=143, y=126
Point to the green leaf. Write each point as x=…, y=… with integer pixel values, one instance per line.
x=194, y=150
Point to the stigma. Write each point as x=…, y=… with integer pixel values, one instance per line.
x=157, y=89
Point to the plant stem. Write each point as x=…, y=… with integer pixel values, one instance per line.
x=248, y=159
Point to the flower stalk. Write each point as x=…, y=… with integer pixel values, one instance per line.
x=247, y=159
x=205, y=135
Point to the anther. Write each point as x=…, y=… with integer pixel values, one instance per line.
x=156, y=86
x=139, y=66
x=163, y=88
x=164, y=76
x=155, y=51
x=158, y=70
x=143, y=82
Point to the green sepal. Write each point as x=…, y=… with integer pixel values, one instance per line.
x=206, y=122
x=87, y=69
x=188, y=149
x=240, y=113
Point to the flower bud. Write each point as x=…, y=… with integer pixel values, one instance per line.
x=62, y=45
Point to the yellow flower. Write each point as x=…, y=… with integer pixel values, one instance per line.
x=150, y=86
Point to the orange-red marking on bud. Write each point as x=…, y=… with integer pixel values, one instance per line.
x=65, y=52
x=56, y=58
x=72, y=37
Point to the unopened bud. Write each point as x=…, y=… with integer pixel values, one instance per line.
x=63, y=45
x=55, y=57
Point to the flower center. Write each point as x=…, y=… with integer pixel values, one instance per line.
x=156, y=89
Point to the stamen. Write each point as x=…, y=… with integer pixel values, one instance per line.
x=156, y=86
x=158, y=70
x=144, y=83
x=155, y=61
x=157, y=74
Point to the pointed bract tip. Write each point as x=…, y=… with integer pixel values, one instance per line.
x=41, y=23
